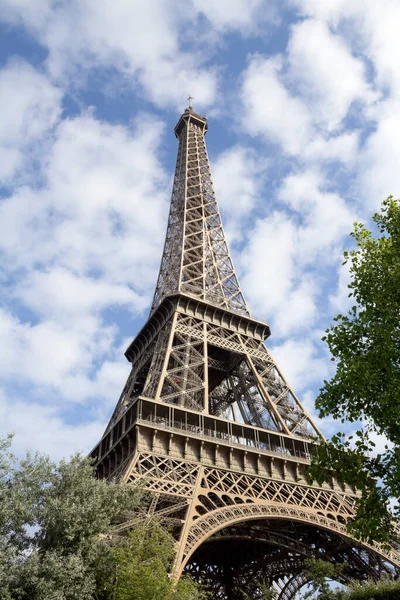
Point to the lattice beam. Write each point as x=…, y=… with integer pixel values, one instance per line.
x=196, y=259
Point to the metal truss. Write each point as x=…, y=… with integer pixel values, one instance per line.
x=220, y=498
x=196, y=258
x=209, y=368
x=209, y=425
x=235, y=531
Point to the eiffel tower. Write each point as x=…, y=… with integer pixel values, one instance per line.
x=209, y=424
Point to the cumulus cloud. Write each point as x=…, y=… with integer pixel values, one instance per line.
x=239, y=176
x=295, y=100
x=45, y=353
x=325, y=108
x=379, y=161
x=362, y=28
x=63, y=294
x=141, y=41
x=243, y=15
x=325, y=215
x=102, y=182
x=301, y=362
x=275, y=287
x=286, y=253
x=328, y=76
x=30, y=106
x=270, y=110
x=370, y=30
x=87, y=238
x=50, y=433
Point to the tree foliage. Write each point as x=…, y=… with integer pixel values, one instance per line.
x=371, y=590
x=55, y=543
x=141, y=565
x=365, y=390
x=321, y=573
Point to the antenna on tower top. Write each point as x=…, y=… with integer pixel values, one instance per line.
x=190, y=98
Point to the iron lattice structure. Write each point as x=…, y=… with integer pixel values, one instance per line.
x=211, y=426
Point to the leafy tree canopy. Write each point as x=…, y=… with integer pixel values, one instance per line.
x=55, y=543
x=142, y=563
x=365, y=390
x=371, y=590
x=321, y=573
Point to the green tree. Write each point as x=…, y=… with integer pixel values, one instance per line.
x=371, y=590
x=141, y=566
x=365, y=390
x=55, y=542
x=322, y=573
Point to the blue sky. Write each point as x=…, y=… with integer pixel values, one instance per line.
x=303, y=102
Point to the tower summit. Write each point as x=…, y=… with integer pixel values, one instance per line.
x=209, y=423
x=196, y=258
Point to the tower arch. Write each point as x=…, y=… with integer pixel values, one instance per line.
x=213, y=522
x=269, y=544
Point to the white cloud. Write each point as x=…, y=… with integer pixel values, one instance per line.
x=30, y=106
x=89, y=238
x=342, y=148
x=294, y=100
x=42, y=429
x=239, y=176
x=61, y=294
x=380, y=35
x=298, y=310
x=270, y=109
x=104, y=386
x=301, y=98
x=372, y=34
x=272, y=282
x=23, y=11
x=47, y=352
x=102, y=183
x=328, y=10
x=140, y=40
x=300, y=362
x=328, y=76
x=326, y=216
x=267, y=259
x=378, y=164
x=244, y=15
x=303, y=125
x=381, y=443
x=74, y=361
x=369, y=28
x=286, y=253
